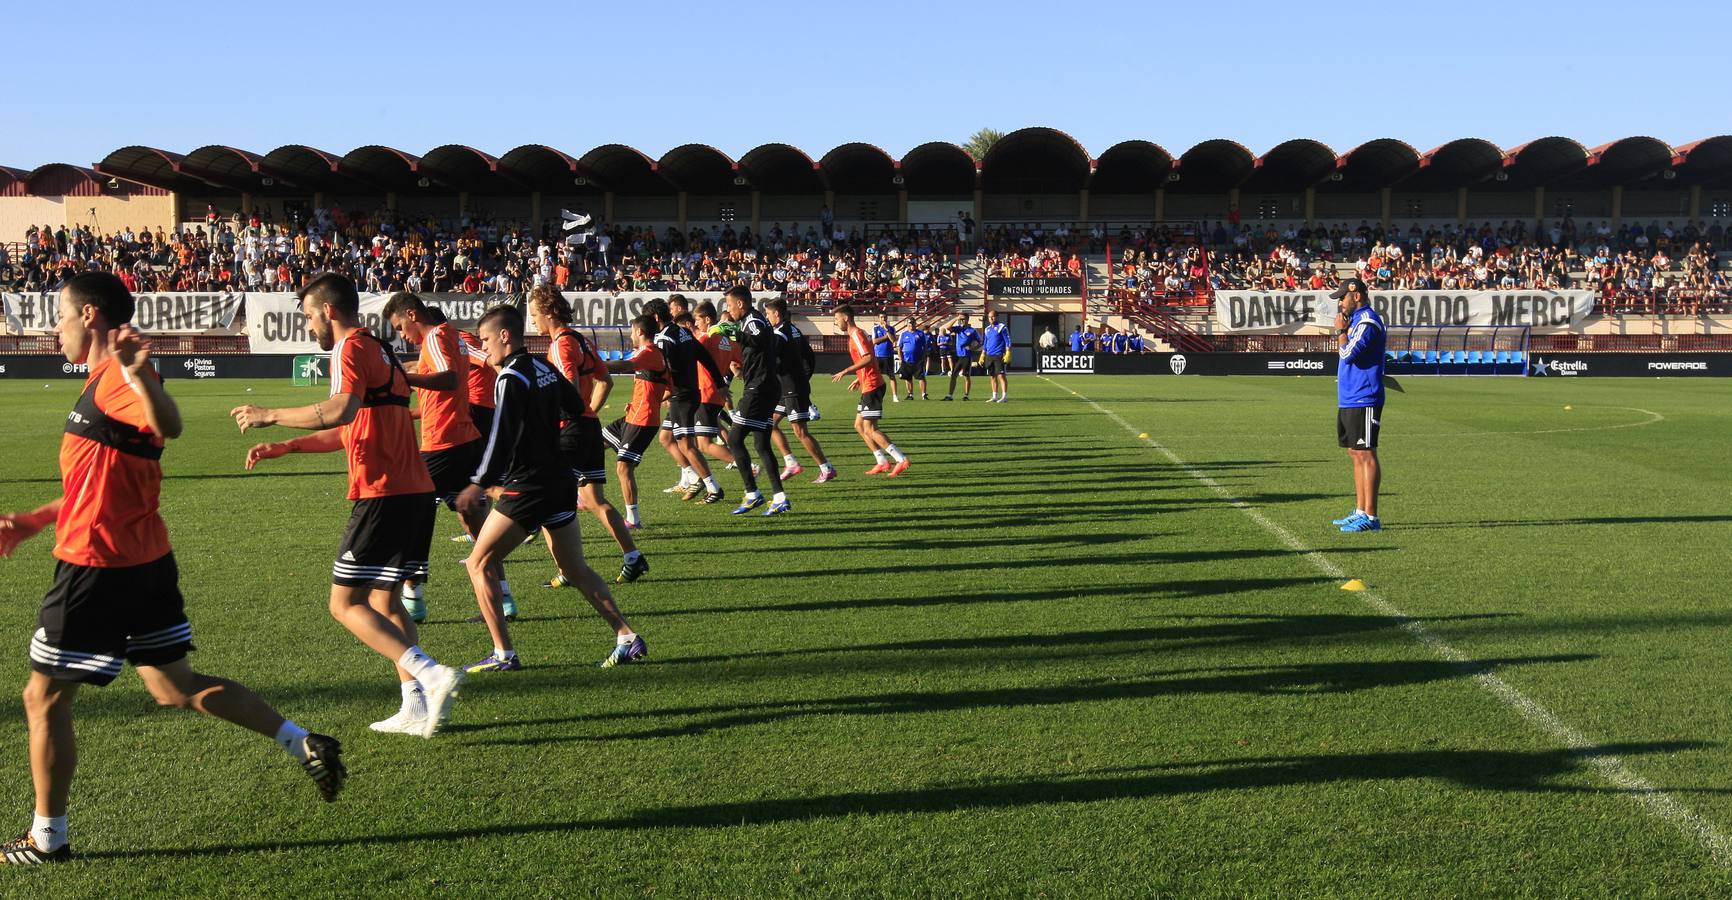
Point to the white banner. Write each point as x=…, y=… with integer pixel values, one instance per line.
x=1291, y=311
x=176, y=313
x=602, y=309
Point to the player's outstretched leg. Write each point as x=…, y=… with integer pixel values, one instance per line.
x=567, y=546
x=498, y=536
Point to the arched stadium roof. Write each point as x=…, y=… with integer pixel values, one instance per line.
x=1028, y=160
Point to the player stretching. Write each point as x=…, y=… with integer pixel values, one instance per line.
x=1359, y=383
x=391, y=525
x=523, y=464
x=116, y=592
x=630, y=435
x=758, y=344
x=911, y=358
x=995, y=344
x=796, y=363
x=890, y=461
x=580, y=438
x=684, y=356
x=450, y=443
x=713, y=393
x=963, y=341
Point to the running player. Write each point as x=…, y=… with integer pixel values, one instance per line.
x=631, y=434
x=963, y=341
x=911, y=358
x=796, y=363
x=481, y=378
x=712, y=392
x=890, y=461
x=580, y=438
x=684, y=356
x=450, y=444
x=995, y=345
x=391, y=525
x=758, y=345
x=524, y=465
x=884, y=352
x=116, y=592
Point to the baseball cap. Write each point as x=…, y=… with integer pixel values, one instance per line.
x=1351, y=284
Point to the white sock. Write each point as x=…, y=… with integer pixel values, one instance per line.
x=789, y=461
x=688, y=475
x=626, y=638
x=895, y=453
x=826, y=467
x=412, y=591
x=1358, y=512
x=780, y=497
x=500, y=653
x=710, y=484
x=49, y=831
x=880, y=457
x=289, y=738
x=631, y=513
x=414, y=699
x=754, y=495
x=417, y=662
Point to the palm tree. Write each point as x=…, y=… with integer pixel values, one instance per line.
x=982, y=141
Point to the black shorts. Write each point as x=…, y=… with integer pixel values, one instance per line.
x=755, y=409
x=581, y=444
x=387, y=541
x=796, y=405
x=452, y=468
x=683, y=412
x=482, y=416
x=995, y=365
x=910, y=369
x=709, y=420
x=534, y=507
x=886, y=365
x=92, y=619
x=1356, y=427
x=871, y=403
x=628, y=440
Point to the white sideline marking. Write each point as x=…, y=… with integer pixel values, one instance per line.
x=1652, y=418
x=1614, y=770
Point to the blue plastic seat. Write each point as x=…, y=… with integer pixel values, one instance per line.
x=1431, y=357
x=1517, y=356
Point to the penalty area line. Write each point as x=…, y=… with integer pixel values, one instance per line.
x=1612, y=769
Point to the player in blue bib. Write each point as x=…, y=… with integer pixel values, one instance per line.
x=911, y=358
x=995, y=346
x=1076, y=340
x=964, y=339
x=884, y=353
x=1359, y=390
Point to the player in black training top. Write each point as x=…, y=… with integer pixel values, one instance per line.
x=533, y=488
x=683, y=354
x=796, y=363
x=759, y=347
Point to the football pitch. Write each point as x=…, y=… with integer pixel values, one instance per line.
x=1054, y=658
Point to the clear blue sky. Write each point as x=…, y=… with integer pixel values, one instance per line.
x=84, y=79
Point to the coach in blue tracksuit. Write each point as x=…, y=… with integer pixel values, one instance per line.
x=1076, y=340
x=995, y=346
x=911, y=358
x=1359, y=386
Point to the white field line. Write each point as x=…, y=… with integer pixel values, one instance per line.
x=1652, y=418
x=1613, y=770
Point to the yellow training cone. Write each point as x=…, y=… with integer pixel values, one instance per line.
x=1568, y=408
x=1354, y=585
x=1143, y=437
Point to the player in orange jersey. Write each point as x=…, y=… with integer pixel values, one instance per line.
x=631, y=434
x=869, y=381
x=391, y=525
x=116, y=594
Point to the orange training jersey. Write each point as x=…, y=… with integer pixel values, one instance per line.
x=482, y=374
x=649, y=388
x=445, y=421
x=859, y=348
x=724, y=353
x=577, y=361
x=111, y=477
x=380, y=442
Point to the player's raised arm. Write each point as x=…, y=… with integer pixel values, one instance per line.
x=337, y=410
x=132, y=352
x=328, y=441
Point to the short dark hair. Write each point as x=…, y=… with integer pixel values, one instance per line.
x=679, y=298
x=402, y=302
x=505, y=317
x=706, y=309
x=657, y=310
x=334, y=290
x=846, y=309
x=105, y=292
x=684, y=318
x=779, y=305
x=646, y=324
x=742, y=292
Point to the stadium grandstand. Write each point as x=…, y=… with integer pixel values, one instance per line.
x=1135, y=238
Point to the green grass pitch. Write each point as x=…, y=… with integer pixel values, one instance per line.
x=1047, y=661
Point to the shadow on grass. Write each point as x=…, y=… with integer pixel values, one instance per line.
x=1296, y=679
x=1503, y=771
x=1583, y=520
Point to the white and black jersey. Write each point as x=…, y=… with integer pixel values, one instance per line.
x=758, y=349
x=794, y=359
x=684, y=354
x=530, y=398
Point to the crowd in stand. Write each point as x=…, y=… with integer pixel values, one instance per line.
x=387, y=251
